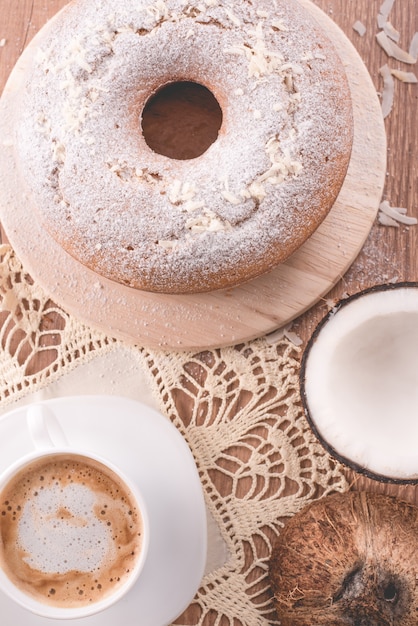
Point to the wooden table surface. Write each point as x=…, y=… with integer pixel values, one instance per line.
x=390, y=254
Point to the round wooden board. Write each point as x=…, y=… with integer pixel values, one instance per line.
x=223, y=317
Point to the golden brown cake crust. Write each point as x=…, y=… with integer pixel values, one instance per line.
x=184, y=226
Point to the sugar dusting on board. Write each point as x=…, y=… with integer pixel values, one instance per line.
x=176, y=226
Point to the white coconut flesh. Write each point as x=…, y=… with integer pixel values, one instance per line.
x=361, y=382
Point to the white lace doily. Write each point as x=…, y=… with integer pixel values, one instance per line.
x=238, y=408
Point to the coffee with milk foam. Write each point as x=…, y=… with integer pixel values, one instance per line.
x=70, y=530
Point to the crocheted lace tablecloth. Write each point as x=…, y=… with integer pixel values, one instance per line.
x=238, y=408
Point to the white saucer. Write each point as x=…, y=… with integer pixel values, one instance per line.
x=149, y=449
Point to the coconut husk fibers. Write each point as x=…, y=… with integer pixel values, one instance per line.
x=348, y=560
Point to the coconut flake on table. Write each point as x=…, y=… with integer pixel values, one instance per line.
x=413, y=47
x=384, y=11
x=360, y=28
x=404, y=77
x=3, y=42
x=393, y=216
x=384, y=24
x=331, y=303
x=393, y=50
x=284, y=333
x=388, y=90
x=391, y=32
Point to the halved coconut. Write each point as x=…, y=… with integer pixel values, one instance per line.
x=359, y=382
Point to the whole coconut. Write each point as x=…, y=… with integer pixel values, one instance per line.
x=348, y=560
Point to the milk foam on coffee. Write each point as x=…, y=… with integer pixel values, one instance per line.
x=64, y=517
x=70, y=530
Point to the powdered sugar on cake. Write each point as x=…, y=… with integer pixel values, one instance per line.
x=173, y=226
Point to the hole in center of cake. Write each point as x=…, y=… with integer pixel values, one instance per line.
x=181, y=120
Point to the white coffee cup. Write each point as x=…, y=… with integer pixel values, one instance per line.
x=74, y=530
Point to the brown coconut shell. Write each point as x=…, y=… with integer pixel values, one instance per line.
x=348, y=560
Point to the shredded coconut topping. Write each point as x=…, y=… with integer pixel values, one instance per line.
x=261, y=61
x=153, y=222
x=207, y=221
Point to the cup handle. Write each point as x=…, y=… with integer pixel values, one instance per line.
x=44, y=428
